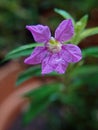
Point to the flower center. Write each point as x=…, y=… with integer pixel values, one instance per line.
x=53, y=45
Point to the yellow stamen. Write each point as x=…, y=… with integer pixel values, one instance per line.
x=53, y=41
x=53, y=45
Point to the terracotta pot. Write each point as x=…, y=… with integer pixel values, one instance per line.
x=11, y=100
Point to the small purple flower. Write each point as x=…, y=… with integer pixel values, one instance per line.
x=54, y=55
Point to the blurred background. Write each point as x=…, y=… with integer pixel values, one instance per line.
x=14, y=16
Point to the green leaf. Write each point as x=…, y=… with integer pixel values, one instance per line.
x=42, y=91
x=88, y=75
x=18, y=54
x=81, y=24
x=79, y=27
x=64, y=14
x=22, y=51
x=31, y=72
x=92, y=51
x=41, y=98
x=89, y=32
x=27, y=74
x=72, y=99
x=86, y=70
x=74, y=85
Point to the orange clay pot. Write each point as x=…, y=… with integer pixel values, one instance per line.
x=11, y=100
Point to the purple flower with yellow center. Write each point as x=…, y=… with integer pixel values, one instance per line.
x=54, y=55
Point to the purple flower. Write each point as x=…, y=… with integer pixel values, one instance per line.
x=54, y=55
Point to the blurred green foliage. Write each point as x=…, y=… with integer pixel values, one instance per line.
x=15, y=14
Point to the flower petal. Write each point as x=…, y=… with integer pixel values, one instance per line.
x=61, y=68
x=71, y=53
x=46, y=68
x=54, y=62
x=58, y=63
x=37, y=56
x=40, y=33
x=64, y=31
